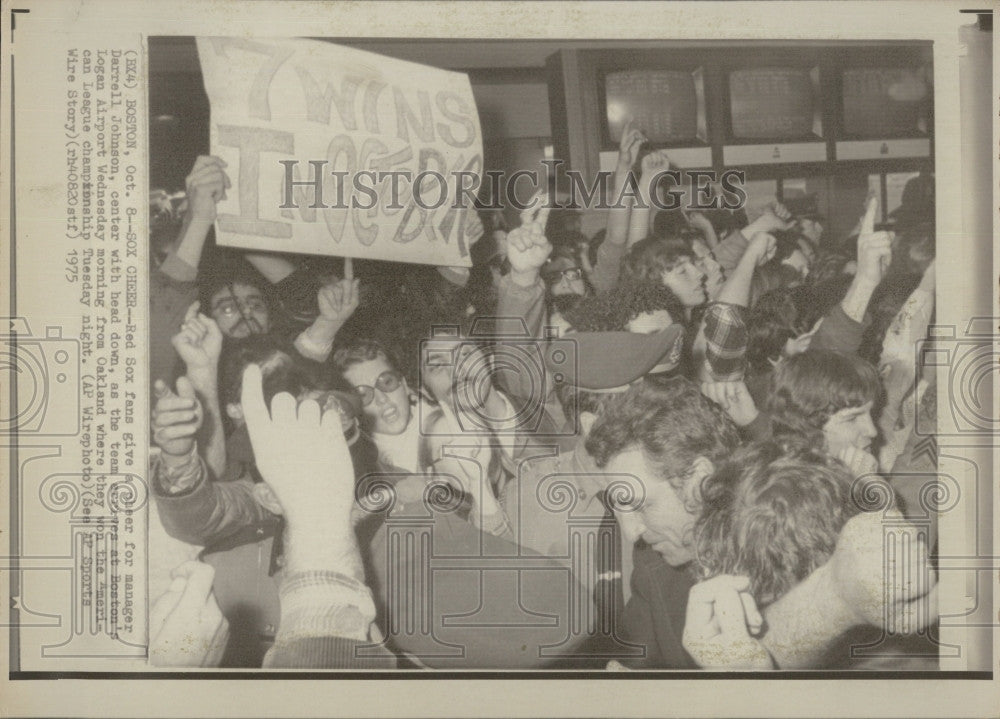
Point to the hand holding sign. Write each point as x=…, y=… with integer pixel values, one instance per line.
x=206, y=185
x=331, y=142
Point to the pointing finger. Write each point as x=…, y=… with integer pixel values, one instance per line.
x=192, y=311
x=868, y=221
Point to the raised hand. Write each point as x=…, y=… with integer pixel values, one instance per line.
x=629, y=145
x=338, y=300
x=874, y=248
x=734, y=398
x=721, y=618
x=780, y=211
x=653, y=165
x=527, y=246
x=176, y=417
x=199, y=343
x=761, y=248
x=775, y=217
x=206, y=185
x=300, y=453
x=654, y=162
x=798, y=345
x=896, y=590
x=186, y=626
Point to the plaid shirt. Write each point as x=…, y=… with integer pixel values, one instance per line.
x=725, y=341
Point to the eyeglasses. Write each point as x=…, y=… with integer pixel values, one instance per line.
x=231, y=308
x=388, y=381
x=571, y=274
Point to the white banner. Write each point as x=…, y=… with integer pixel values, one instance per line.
x=336, y=151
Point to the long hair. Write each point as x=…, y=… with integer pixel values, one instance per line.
x=773, y=513
x=808, y=389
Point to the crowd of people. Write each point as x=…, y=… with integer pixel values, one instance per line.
x=674, y=445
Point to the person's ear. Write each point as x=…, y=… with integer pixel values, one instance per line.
x=586, y=420
x=266, y=497
x=701, y=469
x=234, y=411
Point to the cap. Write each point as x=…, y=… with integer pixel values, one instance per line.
x=611, y=361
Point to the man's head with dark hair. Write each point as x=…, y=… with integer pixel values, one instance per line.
x=669, y=224
x=825, y=397
x=670, y=262
x=643, y=306
x=773, y=513
x=831, y=267
x=668, y=437
x=772, y=321
x=794, y=250
x=236, y=298
x=771, y=276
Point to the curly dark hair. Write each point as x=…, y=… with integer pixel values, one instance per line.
x=770, y=324
x=808, y=389
x=649, y=258
x=671, y=421
x=773, y=512
x=281, y=366
x=611, y=311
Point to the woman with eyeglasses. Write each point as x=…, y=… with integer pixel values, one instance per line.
x=387, y=403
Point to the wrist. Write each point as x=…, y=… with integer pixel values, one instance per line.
x=197, y=227
x=323, y=329
x=524, y=278
x=749, y=419
x=204, y=378
x=328, y=545
x=862, y=282
x=180, y=458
